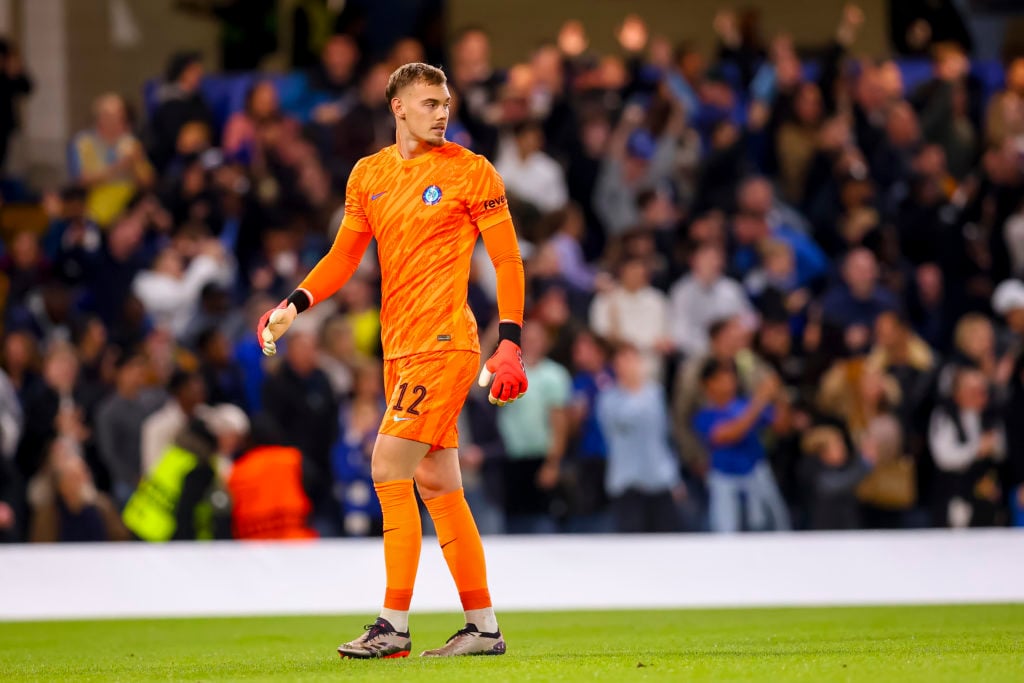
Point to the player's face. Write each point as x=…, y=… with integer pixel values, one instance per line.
x=424, y=108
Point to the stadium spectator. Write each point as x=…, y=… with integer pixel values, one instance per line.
x=942, y=105
x=351, y=455
x=729, y=341
x=768, y=218
x=1008, y=301
x=634, y=161
x=21, y=364
x=11, y=421
x=366, y=126
x=966, y=442
x=179, y=104
x=974, y=347
x=730, y=427
x=360, y=309
x=109, y=161
x=890, y=490
x=119, y=419
x=702, y=297
x=1005, y=116
x=66, y=506
x=529, y=174
x=26, y=269
x=592, y=375
x=299, y=395
x=535, y=429
x=478, y=85
x=15, y=84
x=637, y=313
x=642, y=478
x=570, y=231
x=832, y=476
x=186, y=393
x=330, y=85
x=857, y=392
x=482, y=456
x=797, y=139
x=852, y=306
x=10, y=503
x=53, y=408
x=169, y=290
x=225, y=382
x=241, y=133
x=906, y=357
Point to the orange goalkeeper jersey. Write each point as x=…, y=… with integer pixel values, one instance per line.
x=426, y=214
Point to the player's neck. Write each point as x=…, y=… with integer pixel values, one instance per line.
x=410, y=147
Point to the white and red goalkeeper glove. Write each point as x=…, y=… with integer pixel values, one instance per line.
x=275, y=322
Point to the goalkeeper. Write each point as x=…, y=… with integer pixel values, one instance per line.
x=426, y=201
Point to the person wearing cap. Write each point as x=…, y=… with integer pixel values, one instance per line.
x=636, y=160
x=180, y=102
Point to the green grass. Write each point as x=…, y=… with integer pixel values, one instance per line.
x=904, y=644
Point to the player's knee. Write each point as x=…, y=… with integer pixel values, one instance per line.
x=431, y=484
x=381, y=470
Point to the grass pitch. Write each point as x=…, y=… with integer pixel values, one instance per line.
x=933, y=644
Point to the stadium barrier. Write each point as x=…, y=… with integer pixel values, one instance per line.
x=526, y=573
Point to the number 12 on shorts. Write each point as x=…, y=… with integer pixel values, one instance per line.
x=420, y=393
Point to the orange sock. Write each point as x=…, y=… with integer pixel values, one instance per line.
x=403, y=537
x=463, y=550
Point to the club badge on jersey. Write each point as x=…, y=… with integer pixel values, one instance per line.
x=431, y=195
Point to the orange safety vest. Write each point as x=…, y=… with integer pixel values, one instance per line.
x=268, y=501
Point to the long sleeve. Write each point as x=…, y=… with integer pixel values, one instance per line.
x=337, y=266
x=503, y=248
x=948, y=451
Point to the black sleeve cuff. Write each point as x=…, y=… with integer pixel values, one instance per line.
x=300, y=299
x=512, y=332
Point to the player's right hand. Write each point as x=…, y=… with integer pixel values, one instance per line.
x=508, y=373
x=273, y=324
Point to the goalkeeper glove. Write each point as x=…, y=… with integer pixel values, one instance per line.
x=275, y=322
x=505, y=367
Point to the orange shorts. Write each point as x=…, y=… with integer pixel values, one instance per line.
x=426, y=392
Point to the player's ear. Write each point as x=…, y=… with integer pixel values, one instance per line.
x=397, y=108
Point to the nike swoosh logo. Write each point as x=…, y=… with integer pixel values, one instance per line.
x=391, y=529
x=400, y=419
x=449, y=542
x=374, y=196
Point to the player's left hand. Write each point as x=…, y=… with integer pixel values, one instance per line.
x=506, y=368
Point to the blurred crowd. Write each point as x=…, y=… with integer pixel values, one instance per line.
x=776, y=287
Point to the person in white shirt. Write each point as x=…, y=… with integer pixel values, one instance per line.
x=702, y=297
x=187, y=395
x=635, y=312
x=962, y=441
x=530, y=175
x=169, y=291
